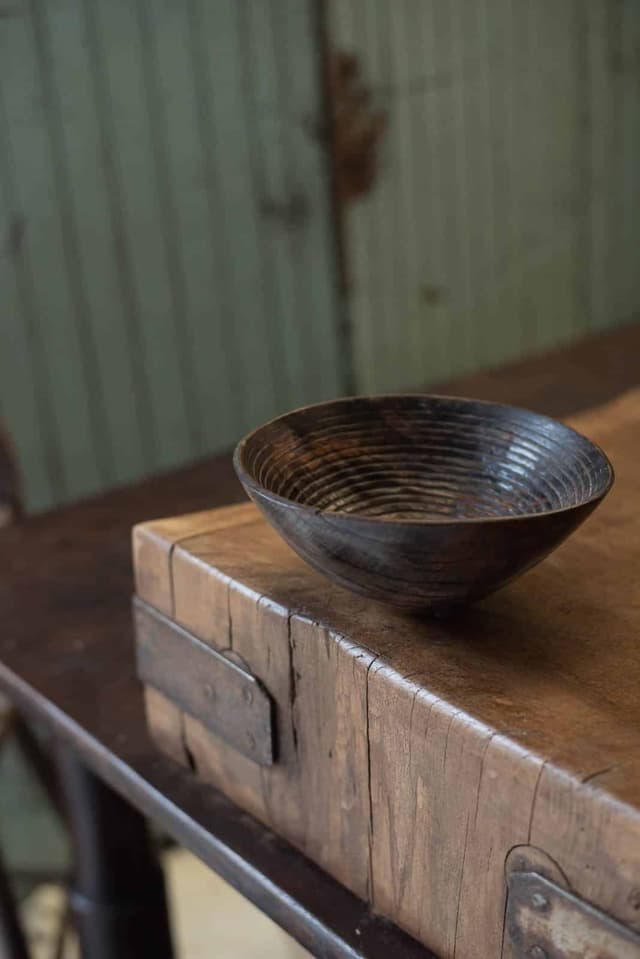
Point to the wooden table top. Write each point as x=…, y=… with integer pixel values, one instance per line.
x=66, y=655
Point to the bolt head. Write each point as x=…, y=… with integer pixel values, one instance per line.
x=633, y=898
x=539, y=902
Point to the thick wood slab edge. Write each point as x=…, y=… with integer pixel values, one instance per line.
x=517, y=724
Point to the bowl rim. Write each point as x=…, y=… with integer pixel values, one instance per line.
x=250, y=484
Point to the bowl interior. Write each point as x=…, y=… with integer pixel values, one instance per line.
x=424, y=458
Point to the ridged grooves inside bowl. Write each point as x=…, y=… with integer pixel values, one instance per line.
x=419, y=457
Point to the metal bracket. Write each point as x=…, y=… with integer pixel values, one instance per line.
x=205, y=684
x=545, y=921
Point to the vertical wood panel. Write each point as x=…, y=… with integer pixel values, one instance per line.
x=347, y=24
x=405, y=32
x=154, y=102
x=170, y=275
x=77, y=288
x=277, y=204
x=444, y=118
x=391, y=264
x=527, y=147
x=396, y=262
x=501, y=66
x=95, y=266
x=477, y=195
x=22, y=374
x=313, y=255
x=629, y=182
x=39, y=201
x=376, y=300
x=122, y=279
x=555, y=275
x=278, y=209
x=602, y=117
x=194, y=244
x=118, y=40
x=219, y=52
x=615, y=66
x=613, y=146
x=435, y=308
x=466, y=143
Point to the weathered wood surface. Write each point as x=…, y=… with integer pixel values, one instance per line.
x=416, y=754
x=319, y=688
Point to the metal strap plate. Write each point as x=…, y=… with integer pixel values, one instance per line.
x=205, y=684
x=545, y=921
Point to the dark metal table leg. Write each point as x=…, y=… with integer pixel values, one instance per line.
x=12, y=941
x=118, y=900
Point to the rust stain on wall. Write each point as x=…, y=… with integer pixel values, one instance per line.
x=15, y=234
x=431, y=294
x=358, y=128
x=293, y=211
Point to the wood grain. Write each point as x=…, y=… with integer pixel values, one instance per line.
x=183, y=568
x=320, y=690
x=417, y=754
x=67, y=661
x=153, y=544
x=553, y=704
x=424, y=502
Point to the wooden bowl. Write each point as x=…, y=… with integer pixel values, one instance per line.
x=421, y=501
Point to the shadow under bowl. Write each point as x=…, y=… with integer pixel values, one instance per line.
x=424, y=502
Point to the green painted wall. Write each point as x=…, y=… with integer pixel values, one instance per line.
x=506, y=213
x=168, y=273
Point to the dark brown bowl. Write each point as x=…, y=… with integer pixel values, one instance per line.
x=421, y=501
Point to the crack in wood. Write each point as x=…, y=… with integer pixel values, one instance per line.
x=370, y=889
x=481, y=774
x=229, y=617
x=453, y=716
x=600, y=772
x=189, y=756
x=533, y=800
x=464, y=856
x=293, y=689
